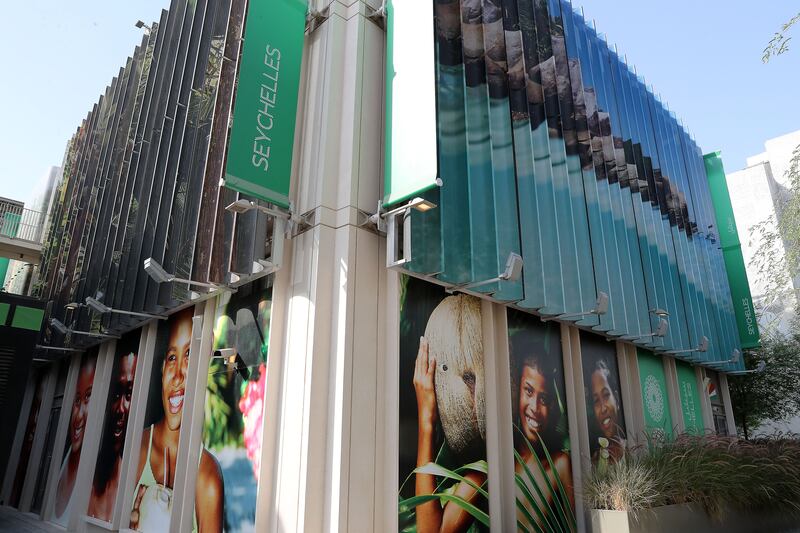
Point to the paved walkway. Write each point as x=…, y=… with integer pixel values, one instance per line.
x=13, y=520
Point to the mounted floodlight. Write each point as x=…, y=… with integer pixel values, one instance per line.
x=232, y=358
x=159, y=275
x=418, y=203
x=662, y=313
x=600, y=308
x=73, y=306
x=735, y=356
x=512, y=272
x=397, y=228
x=760, y=368
x=661, y=330
x=59, y=326
x=101, y=309
x=56, y=349
x=242, y=206
x=141, y=25
x=702, y=347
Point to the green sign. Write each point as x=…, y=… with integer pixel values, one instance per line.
x=27, y=318
x=732, y=252
x=657, y=418
x=264, y=116
x=690, y=399
x=411, y=164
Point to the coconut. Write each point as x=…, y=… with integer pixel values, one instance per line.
x=455, y=340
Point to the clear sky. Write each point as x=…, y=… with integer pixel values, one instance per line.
x=702, y=56
x=59, y=56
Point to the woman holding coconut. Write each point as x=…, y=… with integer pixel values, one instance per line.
x=448, y=382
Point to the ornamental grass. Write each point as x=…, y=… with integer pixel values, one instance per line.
x=756, y=476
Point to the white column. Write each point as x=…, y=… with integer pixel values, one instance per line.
x=323, y=411
x=576, y=416
x=499, y=425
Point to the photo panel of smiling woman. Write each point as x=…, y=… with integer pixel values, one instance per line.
x=115, y=425
x=155, y=474
x=607, y=432
x=542, y=451
x=442, y=411
x=79, y=414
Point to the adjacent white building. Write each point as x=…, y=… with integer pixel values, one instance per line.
x=757, y=194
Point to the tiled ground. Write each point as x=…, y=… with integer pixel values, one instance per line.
x=12, y=520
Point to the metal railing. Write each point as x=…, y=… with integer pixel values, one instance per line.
x=17, y=222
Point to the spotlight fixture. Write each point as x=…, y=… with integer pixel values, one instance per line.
x=661, y=330
x=512, y=272
x=379, y=217
x=56, y=349
x=62, y=329
x=662, y=313
x=600, y=308
x=289, y=220
x=760, y=368
x=702, y=347
x=141, y=25
x=159, y=275
x=101, y=309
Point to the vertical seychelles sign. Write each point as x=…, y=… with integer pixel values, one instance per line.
x=264, y=116
x=732, y=252
x=411, y=164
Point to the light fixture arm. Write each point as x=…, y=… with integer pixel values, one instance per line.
x=512, y=272
x=101, y=309
x=600, y=308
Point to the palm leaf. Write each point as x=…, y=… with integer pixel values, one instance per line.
x=535, y=484
x=473, y=511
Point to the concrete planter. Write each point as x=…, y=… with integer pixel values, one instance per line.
x=666, y=519
x=686, y=518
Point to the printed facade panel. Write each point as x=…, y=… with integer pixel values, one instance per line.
x=657, y=418
x=604, y=410
x=691, y=407
x=155, y=474
x=542, y=451
x=234, y=409
x=442, y=463
x=76, y=432
x=107, y=472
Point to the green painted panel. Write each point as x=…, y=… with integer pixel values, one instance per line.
x=657, y=417
x=718, y=185
x=3, y=269
x=4, y=313
x=27, y=318
x=10, y=224
x=690, y=399
x=262, y=138
x=411, y=165
x=732, y=252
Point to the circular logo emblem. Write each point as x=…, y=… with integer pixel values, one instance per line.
x=654, y=398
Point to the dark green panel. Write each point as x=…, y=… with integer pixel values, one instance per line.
x=27, y=318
